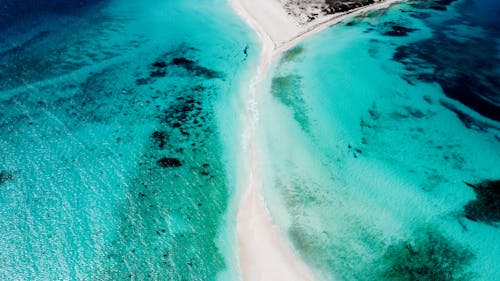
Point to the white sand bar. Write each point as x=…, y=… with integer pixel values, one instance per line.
x=270, y=17
x=264, y=253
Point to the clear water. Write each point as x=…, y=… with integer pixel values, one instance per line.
x=119, y=134
x=118, y=124
x=378, y=125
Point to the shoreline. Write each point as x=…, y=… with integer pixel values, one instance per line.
x=321, y=24
x=264, y=252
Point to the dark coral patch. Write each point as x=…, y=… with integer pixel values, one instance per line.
x=184, y=62
x=159, y=69
x=193, y=67
x=469, y=90
x=467, y=120
x=159, y=64
x=428, y=256
x=167, y=162
x=160, y=138
x=142, y=81
x=169, y=65
x=6, y=176
x=158, y=73
x=486, y=206
x=395, y=30
x=391, y=28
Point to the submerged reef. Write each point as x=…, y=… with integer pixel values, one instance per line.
x=178, y=192
x=193, y=67
x=391, y=28
x=459, y=61
x=168, y=162
x=287, y=89
x=160, y=68
x=160, y=138
x=171, y=199
x=432, y=61
x=293, y=54
x=486, y=207
x=5, y=176
x=429, y=255
x=467, y=120
x=425, y=255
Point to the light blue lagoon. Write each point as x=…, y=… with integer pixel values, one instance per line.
x=384, y=142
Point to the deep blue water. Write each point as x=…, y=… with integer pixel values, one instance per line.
x=14, y=11
x=466, y=64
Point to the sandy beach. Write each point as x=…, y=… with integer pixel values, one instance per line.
x=264, y=252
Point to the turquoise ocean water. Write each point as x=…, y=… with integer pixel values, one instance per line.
x=383, y=158
x=119, y=138
x=118, y=134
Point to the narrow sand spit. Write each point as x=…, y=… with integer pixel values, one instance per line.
x=264, y=253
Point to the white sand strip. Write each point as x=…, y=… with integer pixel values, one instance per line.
x=267, y=16
x=264, y=253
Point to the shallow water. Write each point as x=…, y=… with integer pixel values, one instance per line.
x=118, y=130
x=384, y=129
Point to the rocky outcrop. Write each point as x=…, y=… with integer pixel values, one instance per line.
x=304, y=11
